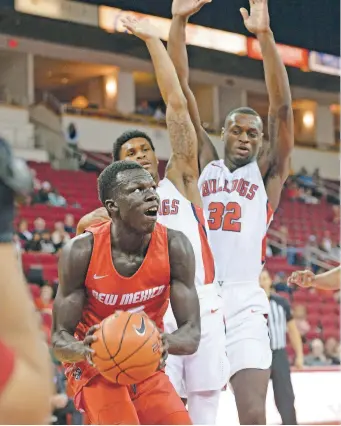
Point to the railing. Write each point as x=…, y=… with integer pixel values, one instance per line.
x=52, y=102
x=272, y=234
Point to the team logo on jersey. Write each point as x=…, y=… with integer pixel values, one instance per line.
x=169, y=207
x=128, y=298
x=142, y=329
x=241, y=186
x=77, y=373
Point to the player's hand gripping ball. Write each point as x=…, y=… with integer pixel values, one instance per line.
x=128, y=348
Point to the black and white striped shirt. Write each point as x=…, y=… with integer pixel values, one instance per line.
x=279, y=315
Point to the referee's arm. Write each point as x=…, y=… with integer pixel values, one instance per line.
x=294, y=337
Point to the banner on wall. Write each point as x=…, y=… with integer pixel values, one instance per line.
x=291, y=56
x=324, y=63
x=71, y=11
x=196, y=35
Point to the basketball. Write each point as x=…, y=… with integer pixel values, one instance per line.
x=128, y=348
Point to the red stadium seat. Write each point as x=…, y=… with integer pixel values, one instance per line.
x=313, y=334
x=330, y=321
x=331, y=332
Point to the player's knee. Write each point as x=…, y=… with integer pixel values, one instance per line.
x=253, y=415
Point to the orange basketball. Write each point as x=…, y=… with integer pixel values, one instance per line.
x=128, y=349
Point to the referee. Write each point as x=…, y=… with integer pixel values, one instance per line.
x=281, y=322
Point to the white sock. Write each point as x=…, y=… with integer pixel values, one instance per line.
x=203, y=407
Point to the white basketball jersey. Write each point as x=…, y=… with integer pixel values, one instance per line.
x=176, y=212
x=238, y=215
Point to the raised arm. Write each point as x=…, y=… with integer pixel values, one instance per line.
x=182, y=168
x=183, y=296
x=70, y=299
x=182, y=10
x=274, y=159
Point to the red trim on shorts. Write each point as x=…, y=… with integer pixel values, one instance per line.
x=207, y=257
x=7, y=360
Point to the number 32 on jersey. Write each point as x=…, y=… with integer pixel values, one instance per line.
x=224, y=216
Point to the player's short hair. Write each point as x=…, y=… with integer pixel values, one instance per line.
x=243, y=110
x=107, y=180
x=125, y=137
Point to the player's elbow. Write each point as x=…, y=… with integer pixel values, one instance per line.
x=177, y=101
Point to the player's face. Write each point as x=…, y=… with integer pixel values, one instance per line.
x=265, y=280
x=242, y=138
x=139, y=150
x=137, y=202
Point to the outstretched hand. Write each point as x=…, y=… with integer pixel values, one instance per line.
x=187, y=8
x=141, y=28
x=258, y=20
x=302, y=278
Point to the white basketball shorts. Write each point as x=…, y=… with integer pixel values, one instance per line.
x=208, y=368
x=247, y=335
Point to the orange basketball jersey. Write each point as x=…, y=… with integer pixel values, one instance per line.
x=108, y=291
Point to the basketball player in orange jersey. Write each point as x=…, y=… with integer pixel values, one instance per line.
x=25, y=374
x=201, y=376
x=129, y=263
x=329, y=280
x=239, y=194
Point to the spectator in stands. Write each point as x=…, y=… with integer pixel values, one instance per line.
x=34, y=244
x=304, y=179
x=311, y=253
x=46, y=243
x=268, y=252
x=23, y=233
x=326, y=243
x=69, y=224
x=281, y=237
x=331, y=349
x=39, y=225
x=46, y=299
x=36, y=181
x=61, y=403
x=306, y=196
x=59, y=237
x=144, y=109
x=42, y=196
x=72, y=136
x=292, y=191
x=335, y=217
x=55, y=199
x=335, y=252
x=301, y=194
x=280, y=283
x=316, y=358
x=159, y=114
x=300, y=316
x=310, y=198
